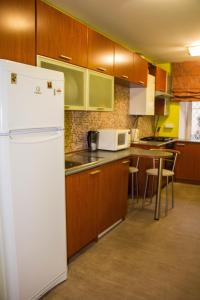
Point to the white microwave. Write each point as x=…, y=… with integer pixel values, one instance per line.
x=113, y=139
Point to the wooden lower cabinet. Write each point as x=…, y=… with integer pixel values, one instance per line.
x=112, y=205
x=188, y=162
x=81, y=202
x=95, y=200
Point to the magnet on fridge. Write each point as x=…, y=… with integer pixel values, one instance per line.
x=13, y=78
x=49, y=84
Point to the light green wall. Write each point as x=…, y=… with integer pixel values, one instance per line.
x=166, y=67
x=173, y=117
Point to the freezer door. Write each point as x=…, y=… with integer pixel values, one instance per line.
x=34, y=217
x=30, y=97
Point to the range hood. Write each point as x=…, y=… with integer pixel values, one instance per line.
x=163, y=95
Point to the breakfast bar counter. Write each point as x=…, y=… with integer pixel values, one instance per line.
x=84, y=160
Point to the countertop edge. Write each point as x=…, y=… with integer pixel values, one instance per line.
x=109, y=156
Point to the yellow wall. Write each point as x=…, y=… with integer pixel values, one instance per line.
x=173, y=117
x=166, y=67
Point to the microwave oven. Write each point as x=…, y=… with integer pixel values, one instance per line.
x=113, y=139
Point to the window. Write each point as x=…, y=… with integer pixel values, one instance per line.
x=195, y=121
x=189, y=122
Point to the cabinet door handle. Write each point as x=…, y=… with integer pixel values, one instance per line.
x=101, y=69
x=67, y=106
x=141, y=82
x=126, y=162
x=124, y=76
x=65, y=57
x=100, y=108
x=180, y=144
x=95, y=172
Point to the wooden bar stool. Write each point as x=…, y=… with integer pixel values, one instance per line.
x=168, y=171
x=133, y=170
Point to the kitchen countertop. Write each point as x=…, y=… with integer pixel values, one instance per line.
x=188, y=141
x=154, y=143
x=100, y=157
x=159, y=144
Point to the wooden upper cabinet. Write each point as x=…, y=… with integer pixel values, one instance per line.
x=100, y=53
x=161, y=79
x=17, y=30
x=123, y=63
x=140, y=70
x=60, y=37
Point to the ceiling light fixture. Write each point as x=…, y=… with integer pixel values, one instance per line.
x=194, y=50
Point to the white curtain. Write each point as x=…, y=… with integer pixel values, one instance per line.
x=185, y=120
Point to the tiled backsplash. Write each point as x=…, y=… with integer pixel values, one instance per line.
x=77, y=123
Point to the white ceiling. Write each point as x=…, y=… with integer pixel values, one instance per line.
x=159, y=29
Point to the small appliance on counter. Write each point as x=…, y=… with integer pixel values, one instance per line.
x=113, y=139
x=92, y=137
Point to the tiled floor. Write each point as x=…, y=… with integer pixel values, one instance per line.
x=142, y=259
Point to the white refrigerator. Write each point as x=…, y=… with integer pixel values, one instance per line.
x=32, y=194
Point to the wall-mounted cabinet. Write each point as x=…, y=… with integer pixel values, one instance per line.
x=75, y=82
x=142, y=99
x=100, y=92
x=84, y=89
x=123, y=65
x=140, y=70
x=17, y=30
x=100, y=53
x=161, y=79
x=162, y=106
x=60, y=36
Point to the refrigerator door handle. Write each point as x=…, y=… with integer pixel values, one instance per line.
x=35, y=137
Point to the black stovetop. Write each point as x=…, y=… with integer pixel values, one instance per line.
x=157, y=138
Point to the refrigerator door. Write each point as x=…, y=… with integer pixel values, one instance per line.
x=32, y=205
x=30, y=97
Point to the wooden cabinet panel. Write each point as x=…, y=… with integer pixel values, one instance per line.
x=161, y=79
x=59, y=36
x=100, y=53
x=95, y=200
x=17, y=30
x=188, y=162
x=123, y=173
x=123, y=63
x=162, y=106
x=113, y=202
x=140, y=70
x=82, y=192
